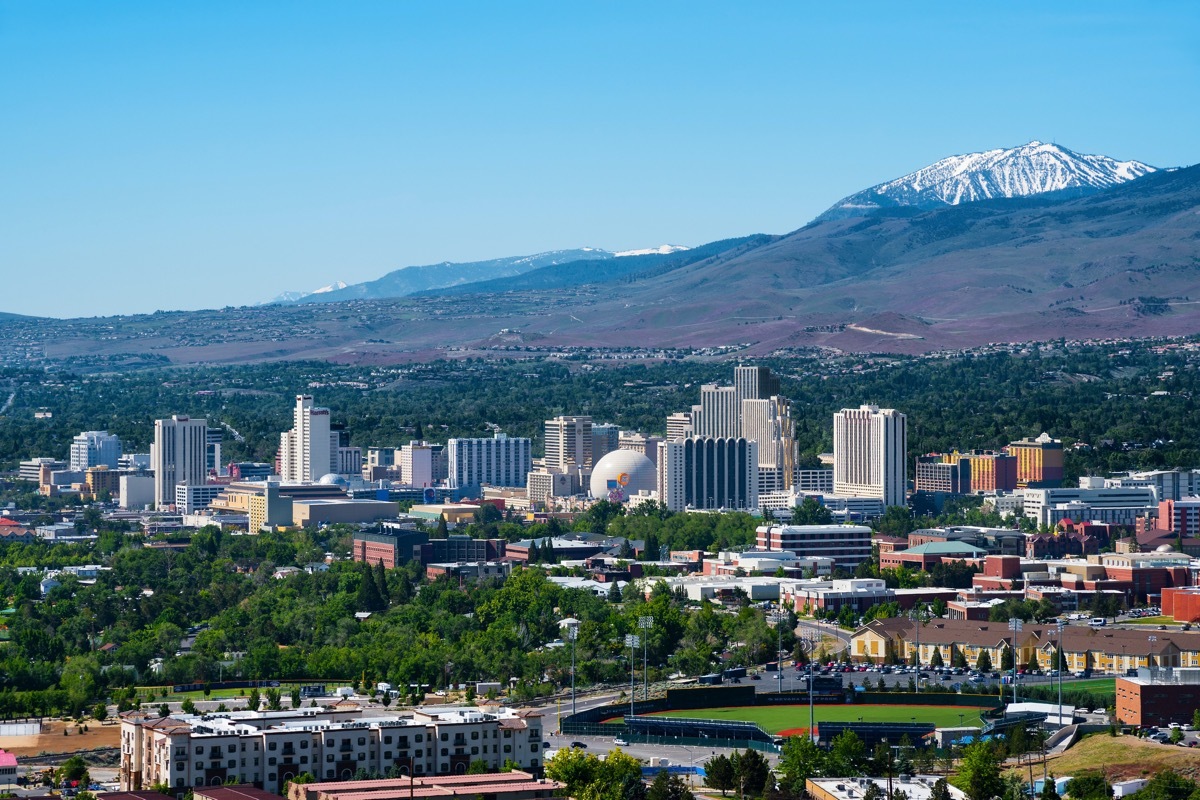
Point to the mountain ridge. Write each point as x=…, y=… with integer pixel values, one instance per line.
x=1023, y=171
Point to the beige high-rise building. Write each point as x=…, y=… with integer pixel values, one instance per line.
x=568, y=443
x=869, y=454
x=679, y=425
x=178, y=455
x=719, y=415
x=309, y=450
x=769, y=422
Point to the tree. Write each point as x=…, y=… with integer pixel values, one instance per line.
x=164, y=710
x=443, y=530
x=478, y=766
x=940, y=790
x=751, y=770
x=100, y=712
x=1049, y=789
x=187, y=706
x=800, y=760
x=873, y=792
x=573, y=767
x=381, y=581
x=984, y=662
x=847, y=755
x=1089, y=786
x=1176, y=735
x=936, y=659
x=666, y=786
x=1006, y=658
x=938, y=607
x=614, y=593
x=960, y=659
x=253, y=700
x=718, y=773
x=73, y=769
x=295, y=697
x=274, y=700
x=811, y=512
x=979, y=772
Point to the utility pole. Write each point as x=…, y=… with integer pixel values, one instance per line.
x=1015, y=625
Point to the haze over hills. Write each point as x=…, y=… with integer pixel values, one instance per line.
x=1031, y=169
x=1117, y=262
x=411, y=280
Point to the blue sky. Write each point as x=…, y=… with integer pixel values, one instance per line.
x=201, y=154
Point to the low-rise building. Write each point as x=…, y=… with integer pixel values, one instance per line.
x=268, y=748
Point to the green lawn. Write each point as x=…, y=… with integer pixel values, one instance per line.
x=1097, y=685
x=780, y=718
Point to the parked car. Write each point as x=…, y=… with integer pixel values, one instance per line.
x=581, y=745
x=619, y=742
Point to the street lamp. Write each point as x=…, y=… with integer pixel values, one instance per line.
x=632, y=640
x=1058, y=665
x=1014, y=625
x=645, y=624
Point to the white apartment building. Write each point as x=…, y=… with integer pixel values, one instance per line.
x=309, y=451
x=869, y=454
x=719, y=415
x=178, y=455
x=268, y=748
x=499, y=461
x=95, y=449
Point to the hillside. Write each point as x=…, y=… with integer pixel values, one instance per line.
x=1119, y=263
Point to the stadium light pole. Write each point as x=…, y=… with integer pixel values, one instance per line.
x=1058, y=665
x=632, y=641
x=572, y=635
x=1014, y=625
x=645, y=624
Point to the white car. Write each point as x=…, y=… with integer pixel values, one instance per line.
x=619, y=742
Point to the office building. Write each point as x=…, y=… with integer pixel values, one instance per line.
x=31, y=470
x=1039, y=462
x=755, y=383
x=769, y=422
x=212, y=450
x=702, y=473
x=847, y=545
x=95, y=449
x=1092, y=500
x=178, y=455
x=416, y=464
x=935, y=474
x=719, y=415
x=869, y=454
x=679, y=426
x=308, y=451
x=349, y=461
x=190, y=498
x=499, y=461
x=605, y=439
x=137, y=491
x=568, y=443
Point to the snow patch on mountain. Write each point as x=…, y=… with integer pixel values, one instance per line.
x=1031, y=169
x=662, y=250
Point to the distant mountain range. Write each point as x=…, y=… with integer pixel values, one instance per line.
x=1031, y=169
x=411, y=280
x=1085, y=247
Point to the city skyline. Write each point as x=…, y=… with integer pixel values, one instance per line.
x=258, y=150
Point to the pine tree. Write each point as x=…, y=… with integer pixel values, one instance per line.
x=443, y=530
x=548, y=551
x=368, y=592
x=381, y=584
x=535, y=554
x=614, y=593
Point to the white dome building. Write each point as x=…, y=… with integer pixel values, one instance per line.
x=621, y=474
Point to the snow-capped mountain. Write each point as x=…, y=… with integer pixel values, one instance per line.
x=1033, y=168
x=284, y=298
x=661, y=250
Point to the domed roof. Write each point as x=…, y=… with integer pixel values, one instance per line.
x=333, y=479
x=1164, y=548
x=622, y=474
